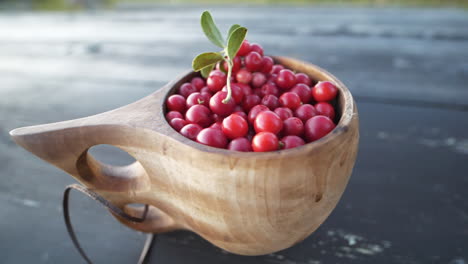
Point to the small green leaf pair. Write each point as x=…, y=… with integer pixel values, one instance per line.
x=206, y=61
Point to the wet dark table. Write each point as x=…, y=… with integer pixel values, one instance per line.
x=406, y=202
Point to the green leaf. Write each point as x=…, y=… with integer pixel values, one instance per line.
x=235, y=41
x=233, y=27
x=206, y=59
x=206, y=71
x=211, y=30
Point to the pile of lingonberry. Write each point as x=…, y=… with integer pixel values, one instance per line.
x=271, y=108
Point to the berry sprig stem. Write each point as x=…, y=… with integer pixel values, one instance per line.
x=205, y=62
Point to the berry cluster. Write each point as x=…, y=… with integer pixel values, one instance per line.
x=270, y=108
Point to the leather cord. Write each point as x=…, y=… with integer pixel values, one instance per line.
x=116, y=210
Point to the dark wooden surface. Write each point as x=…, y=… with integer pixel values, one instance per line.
x=408, y=69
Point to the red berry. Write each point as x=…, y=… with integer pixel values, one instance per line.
x=237, y=92
x=198, y=83
x=235, y=126
x=272, y=78
x=265, y=141
x=268, y=121
x=255, y=111
x=217, y=125
x=270, y=101
x=270, y=88
x=240, y=144
x=276, y=68
x=186, y=89
x=303, y=78
x=205, y=90
x=216, y=81
x=292, y=142
x=250, y=101
x=325, y=109
x=303, y=91
x=245, y=88
x=212, y=137
x=243, y=76
x=267, y=64
x=174, y=114
x=258, y=79
x=176, y=102
x=241, y=113
x=220, y=108
x=257, y=48
x=293, y=126
x=253, y=61
x=191, y=131
x=216, y=118
x=290, y=100
x=286, y=79
x=258, y=91
x=177, y=123
x=199, y=114
x=317, y=127
x=196, y=98
x=237, y=63
x=284, y=112
x=324, y=91
x=305, y=112
x=244, y=48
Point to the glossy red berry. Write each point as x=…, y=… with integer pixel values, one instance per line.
x=292, y=142
x=268, y=121
x=235, y=126
x=198, y=83
x=244, y=48
x=244, y=76
x=270, y=101
x=257, y=48
x=286, y=79
x=325, y=109
x=255, y=111
x=275, y=69
x=303, y=91
x=176, y=102
x=220, y=108
x=177, y=123
x=217, y=125
x=241, y=114
x=253, y=61
x=199, y=114
x=290, y=100
x=284, y=112
x=196, y=98
x=293, y=126
x=303, y=78
x=305, y=112
x=240, y=144
x=237, y=92
x=265, y=141
x=246, y=89
x=270, y=88
x=205, y=89
x=212, y=137
x=324, y=91
x=216, y=81
x=258, y=79
x=173, y=114
x=317, y=127
x=250, y=101
x=186, y=89
x=191, y=131
x=267, y=64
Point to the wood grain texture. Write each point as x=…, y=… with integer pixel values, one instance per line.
x=245, y=203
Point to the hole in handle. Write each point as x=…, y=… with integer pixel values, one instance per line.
x=110, y=155
x=103, y=176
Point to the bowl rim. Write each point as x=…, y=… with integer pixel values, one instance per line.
x=347, y=115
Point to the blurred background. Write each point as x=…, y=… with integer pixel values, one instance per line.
x=406, y=63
